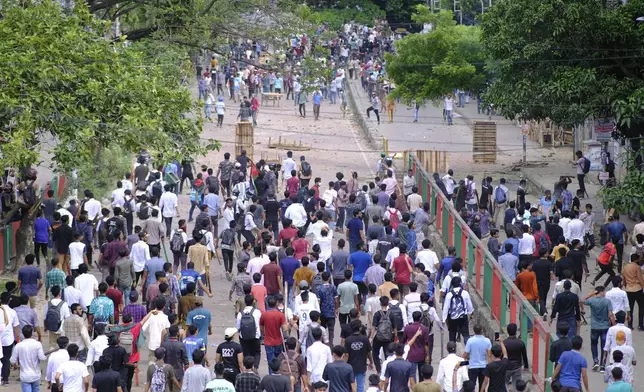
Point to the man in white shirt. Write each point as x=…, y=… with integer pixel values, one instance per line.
x=303, y=311
x=317, y=357
x=313, y=299
x=428, y=258
x=618, y=297
x=118, y=195
x=411, y=302
x=169, y=205
x=446, y=370
x=77, y=255
x=563, y=223
x=575, y=230
x=256, y=263
x=92, y=206
x=408, y=184
x=139, y=255
x=414, y=200
x=458, y=317
x=611, y=335
x=7, y=337
x=127, y=183
x=56, y=359
x=154, y=327
x=296, y=213
x=527, y=244
x=71, y=293
x=472, y=199
x=450, y=183
x=448, y=106
x=250, y=344
x=64, y=313
x=97, y=346
x=289, y=163
x=73, y=376
x=501, y=197
x=28, y=353
x=87, y=284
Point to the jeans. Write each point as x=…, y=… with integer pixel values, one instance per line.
x=418, y=366
x=340, y=222
x=179, y=260
x=272, y=352
x=331, y=213
x=534, y=305
x=208, y=111
x=193, y=205
x=605, y=269
x=360, y=381
x=460, y=325
x=228, y=256
x=126, y=295
x=377, y=345
x=633, y=296
x=343, y=318
x=168, y=225
x=333, y=97
x=582, y=186
x=6, y=364
x=329, y=324
x=38, y=249
x=595, y=336
x=30, y=386
x=448, y=115
x=461, y=99
x=316, y=111
x=620, y=256
x=543, y=288
x=254, y=114
x=572, y=323
x=252, y=348
x=415, y=114
x=514, y=376
x=371, y=109
x=477, y=375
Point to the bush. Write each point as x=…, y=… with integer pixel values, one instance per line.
x=361, y=11
x=101, y=178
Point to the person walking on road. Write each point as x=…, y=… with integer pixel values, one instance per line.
x=375, y=107
x=601, y=318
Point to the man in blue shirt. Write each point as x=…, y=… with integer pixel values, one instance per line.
x=201, y=318
x=101, y=310
x=512, y=240
x=41, y=236
x=619, y=236
x=214, y=205
x=30, y=279
x=572, y=367
x=355, y=231
x=327, y=293
x=317, y=100
x=360, y=261
x=288, y=265
x=446, y=264
x=192, y=342
x=151, y=267
x=477, y=350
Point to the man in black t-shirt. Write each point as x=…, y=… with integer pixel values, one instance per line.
x=272, y=212
x=544, y=270
x=275, y=382
x=231, y=354
x=495, y=370
x=107, y=380
x=359, y=349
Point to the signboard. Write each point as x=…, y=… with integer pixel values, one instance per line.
x=604, y=128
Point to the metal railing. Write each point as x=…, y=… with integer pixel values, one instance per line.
x=486, y=277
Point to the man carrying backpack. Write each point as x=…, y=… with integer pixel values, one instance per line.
x=156, y=188
x=56, y=311
x=249, y=331
x=304, y=173
x=501, y=198
x=456, y=310
x=382, y=331
x=160, y=374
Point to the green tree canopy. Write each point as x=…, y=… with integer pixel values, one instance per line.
x=62, y=81
x=566, y=60
x=428, y=66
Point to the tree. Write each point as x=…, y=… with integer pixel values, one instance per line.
x=428, y=66
x=62, y=81
x=566, y=60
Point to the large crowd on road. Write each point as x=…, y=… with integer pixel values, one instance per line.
x=380, y=281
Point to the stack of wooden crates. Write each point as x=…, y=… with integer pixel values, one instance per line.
x=244, y=138
x=484, y=142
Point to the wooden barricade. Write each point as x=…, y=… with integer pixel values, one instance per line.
x=433, y=161
x=484, y=142
x=244, y=138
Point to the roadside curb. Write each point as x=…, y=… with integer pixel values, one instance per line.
x=372, y=134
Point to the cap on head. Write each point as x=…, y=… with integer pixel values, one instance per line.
x=230, y=333
x=304, y=284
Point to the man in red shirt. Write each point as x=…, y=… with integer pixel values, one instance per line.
x=300, y=245
x=115, y=295
x=293, y=183
x=272, y=275
x=288, y=232
x=272, y=323
x=402, y=267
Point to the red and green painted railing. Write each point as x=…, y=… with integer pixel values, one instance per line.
x=485, y=275
x=8, y=233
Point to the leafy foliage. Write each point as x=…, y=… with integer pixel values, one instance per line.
x=335, y=15
x=84, y=92
x=428, y=66
x=629, y=195
x=565, y=60
x=101, y=178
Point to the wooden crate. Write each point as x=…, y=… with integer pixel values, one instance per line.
x=244, y=138
x=484, y=142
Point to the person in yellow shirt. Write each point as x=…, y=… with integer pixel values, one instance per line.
x=391, y=108
x=200, y=255
x=303, y=273
x=385, y=288
x=555, y=251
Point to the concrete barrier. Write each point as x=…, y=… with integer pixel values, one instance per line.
x=359, y=113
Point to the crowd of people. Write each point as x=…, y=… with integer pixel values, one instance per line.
x=302, y=255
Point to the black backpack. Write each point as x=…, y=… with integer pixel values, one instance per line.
x=384, y=329
x=306, y=168
x=228, y=237
x=144, y=211
x=247, y=326
x=586, y=167
x=127, y=206
x=397, y=315
x=52, y=318
x=29, y=194
x=425, y=320
x=157, y=189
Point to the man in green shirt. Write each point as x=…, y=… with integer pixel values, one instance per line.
x=619, y=385
x=348, y=297
x=55, y=277
x=601, y=316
